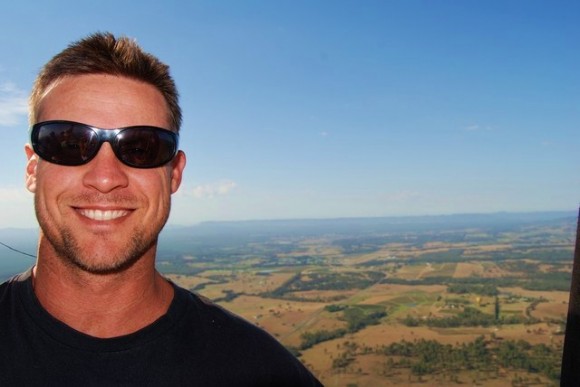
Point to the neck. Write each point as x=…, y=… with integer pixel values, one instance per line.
x=103, y=306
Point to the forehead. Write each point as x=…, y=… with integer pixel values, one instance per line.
x=106, y=101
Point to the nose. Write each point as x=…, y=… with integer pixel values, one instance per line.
x=105, y=172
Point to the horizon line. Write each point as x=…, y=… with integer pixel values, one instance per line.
x=343, y=218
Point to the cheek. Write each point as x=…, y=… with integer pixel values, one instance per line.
x=46, y=193
x=154, y=184
x=52, y=181
x=45, y=202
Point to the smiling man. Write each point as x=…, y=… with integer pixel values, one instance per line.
x=103, y=162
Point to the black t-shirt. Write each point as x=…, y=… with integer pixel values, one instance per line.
x=196, y=343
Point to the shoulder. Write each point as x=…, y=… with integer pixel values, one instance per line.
x=14, y=298
x=229, y=339
x=213, y=318
x=10, y=287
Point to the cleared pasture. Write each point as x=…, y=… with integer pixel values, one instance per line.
x=294, y=313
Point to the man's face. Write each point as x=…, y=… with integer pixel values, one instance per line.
x=104, y=215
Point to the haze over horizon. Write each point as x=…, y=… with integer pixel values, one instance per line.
x=301, y=110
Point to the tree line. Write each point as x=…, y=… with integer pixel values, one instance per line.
x=468, y=317
x=429, y=356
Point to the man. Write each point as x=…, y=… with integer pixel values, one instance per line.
x=102, y=163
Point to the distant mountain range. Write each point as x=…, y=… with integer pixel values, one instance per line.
x=378, y=224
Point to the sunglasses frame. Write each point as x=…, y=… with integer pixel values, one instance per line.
x=103, y=135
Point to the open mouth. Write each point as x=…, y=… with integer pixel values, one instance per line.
x=103, y=215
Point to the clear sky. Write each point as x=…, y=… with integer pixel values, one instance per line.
x=322, y=109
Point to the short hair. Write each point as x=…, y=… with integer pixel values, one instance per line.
x=103, y=53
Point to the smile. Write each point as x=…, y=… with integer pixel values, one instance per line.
x=103, y=215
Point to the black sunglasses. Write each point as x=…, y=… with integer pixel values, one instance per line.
x=72, y=143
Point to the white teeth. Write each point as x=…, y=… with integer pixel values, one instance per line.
x=104, y=215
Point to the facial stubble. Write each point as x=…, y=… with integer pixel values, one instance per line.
x=70, y=251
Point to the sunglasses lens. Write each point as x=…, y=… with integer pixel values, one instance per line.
x=145, y=147
x=71, y=143
x=65, y=143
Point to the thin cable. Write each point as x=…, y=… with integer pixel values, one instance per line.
x=18, y=251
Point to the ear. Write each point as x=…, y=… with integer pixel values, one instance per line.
x=177, y=166
x=31, y=165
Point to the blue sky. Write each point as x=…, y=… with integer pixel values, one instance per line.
x=322, y=109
